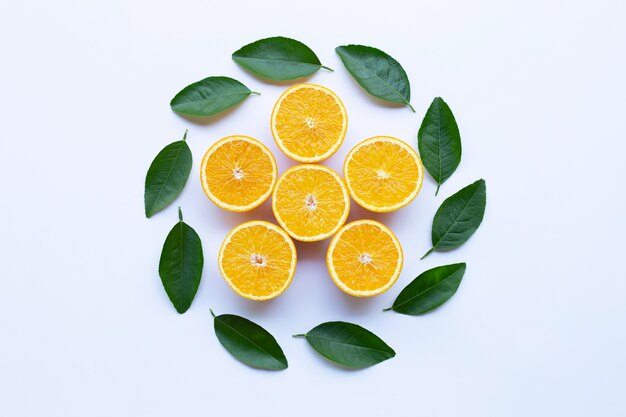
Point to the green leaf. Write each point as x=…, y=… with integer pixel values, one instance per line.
x=209, y=96
x=439, y=142
x=249, y=342
x=458, y=217
x=429, y=290
x=278, y=58
x=378, y=73
x=167, y=176
x=181, y=264
x=348, y=344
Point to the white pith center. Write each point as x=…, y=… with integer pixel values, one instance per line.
x=258, y=260
x=382, y=174
x=238, y=173
x=365, y=258
x=310, y=122
x=310, y=202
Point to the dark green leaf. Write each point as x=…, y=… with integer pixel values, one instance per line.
x=439, y=142
x=249, y=342
x=167, y=176
x=458, y=217
x=429, y=290
x=278, y=58
x=181, y=264
x=348, y=344
x=378, y=73
x=209, y=96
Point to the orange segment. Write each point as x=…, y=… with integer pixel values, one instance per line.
x=258, y=260
x=309, y=122
x=310, y=202
x=383, y=174
x=364, y=258
x=238, y=173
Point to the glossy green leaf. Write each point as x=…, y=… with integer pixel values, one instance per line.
x=378, y=73
x=429, y=290
x=278, y=58
x=439, y=142
x=458, y=217
x=348, y=344
x=209, y=96
x=180, y=267
x=249, y=342
x=167, y=176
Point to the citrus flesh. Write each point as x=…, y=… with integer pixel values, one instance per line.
x=238, y=173
x=258, y=260
x=309, y=122
x=383, y=174
x=364, y=258
x=310, y=202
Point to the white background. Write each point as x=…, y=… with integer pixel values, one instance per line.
x=537, y=327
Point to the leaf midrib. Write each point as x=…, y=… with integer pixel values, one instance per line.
x=252, y=342
x=247, y=93
x=277, y=60
x=347, y=344
x=439, y=180
x=385, y=82
x=456, y=219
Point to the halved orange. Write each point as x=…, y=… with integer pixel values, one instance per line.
x=258, y=260
x=383, y=173
x=364, y=258
x=309, y=122
x=238, y=173
x=310, y=202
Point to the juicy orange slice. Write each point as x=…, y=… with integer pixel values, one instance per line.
x=258, y=260
x=238, y=173
x=309, y=122
x=383, y=174
x=310, y=202
x=364, y=258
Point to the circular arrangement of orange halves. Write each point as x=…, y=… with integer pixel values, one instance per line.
x=310, y=202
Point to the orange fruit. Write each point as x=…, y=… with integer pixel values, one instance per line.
x=258, y=260
x=310, y=202
x=309, y=122
x=238, y=173
x=383, y=173
x=364, y=258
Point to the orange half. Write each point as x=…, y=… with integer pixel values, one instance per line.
x=383, y=174
x=258, y=260
x=364, y=258
x=310, y=202
x=309, y=122
x=238, y=173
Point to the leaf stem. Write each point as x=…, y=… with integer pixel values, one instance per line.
x=328, y=69
x=180, y=214
x=298, y=335
x=437, y=192
x=427, y=253
x=185, y=135
x=256, y=93
x=212, y=313
x=410, y=107
x=387, y=309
